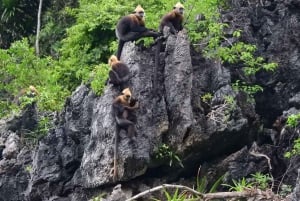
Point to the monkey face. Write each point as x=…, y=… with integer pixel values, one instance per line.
x=141, y=14
x=179, y=8
x=139, y=11
x=113, y=59
x=127, y=95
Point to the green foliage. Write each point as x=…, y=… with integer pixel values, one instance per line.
x=99, y=76
x=295, y=150
x=202, y=184
x=262, y=180
x=285, y=190
x=293, y=120
x=55, y=21
x=28, y=168
x=42, y=130
x=237, y=52
x=99, y=197
x=206, y=98
x=164, y=152
x=250, y=90
x=20, y=68
x=239, y=185
x=175, y=197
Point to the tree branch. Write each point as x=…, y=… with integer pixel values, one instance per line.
x=157, y=188
x=248, y=193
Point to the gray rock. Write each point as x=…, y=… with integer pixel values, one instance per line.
x=12, y=146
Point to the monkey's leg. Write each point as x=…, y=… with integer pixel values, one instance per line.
x=131, y=131
x=123, y=123
x=132, y=36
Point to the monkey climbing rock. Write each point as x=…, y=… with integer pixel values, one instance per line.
x=123, y=111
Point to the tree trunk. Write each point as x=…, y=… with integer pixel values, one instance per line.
x=37, y=48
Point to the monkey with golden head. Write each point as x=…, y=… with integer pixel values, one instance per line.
x=173, y=19
x=119, y=73
x=132, y=27
x=123, y=108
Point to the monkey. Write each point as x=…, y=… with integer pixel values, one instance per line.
x=119, y=73
x=123, y=107
x=132, y=27
x=30, y=92
x=173, y=20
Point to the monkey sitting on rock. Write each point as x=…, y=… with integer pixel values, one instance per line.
x=132, y=27
x=173, y=20
x=119, y=73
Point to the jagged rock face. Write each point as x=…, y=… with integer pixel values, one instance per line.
x=273, y=26
x=15, y=158
x=79, y=152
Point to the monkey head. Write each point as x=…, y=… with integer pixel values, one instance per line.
x=179, y=8
x=33, y=90
x=126, y=95
x=139, y=11
x=112, y=60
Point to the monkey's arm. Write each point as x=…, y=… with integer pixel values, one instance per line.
x=135, y=106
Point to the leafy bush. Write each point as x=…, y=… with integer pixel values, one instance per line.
x=99, y=76
x=239, y=185
x=164, y=152
x=42, y=129
x=293, y=120
x=20, y=68
x=262, y=180
x=295, y=150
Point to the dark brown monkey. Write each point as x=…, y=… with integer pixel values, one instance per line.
x=173, y=20
x=119, y=73
x=131, y=28
x=123, y=112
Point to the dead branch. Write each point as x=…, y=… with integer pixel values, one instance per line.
x=248, y=193
x=262, y=155
x=157, y=188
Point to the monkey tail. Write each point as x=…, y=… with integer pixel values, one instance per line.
x=120, y=48
x=115, y=174
x=156, y=66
